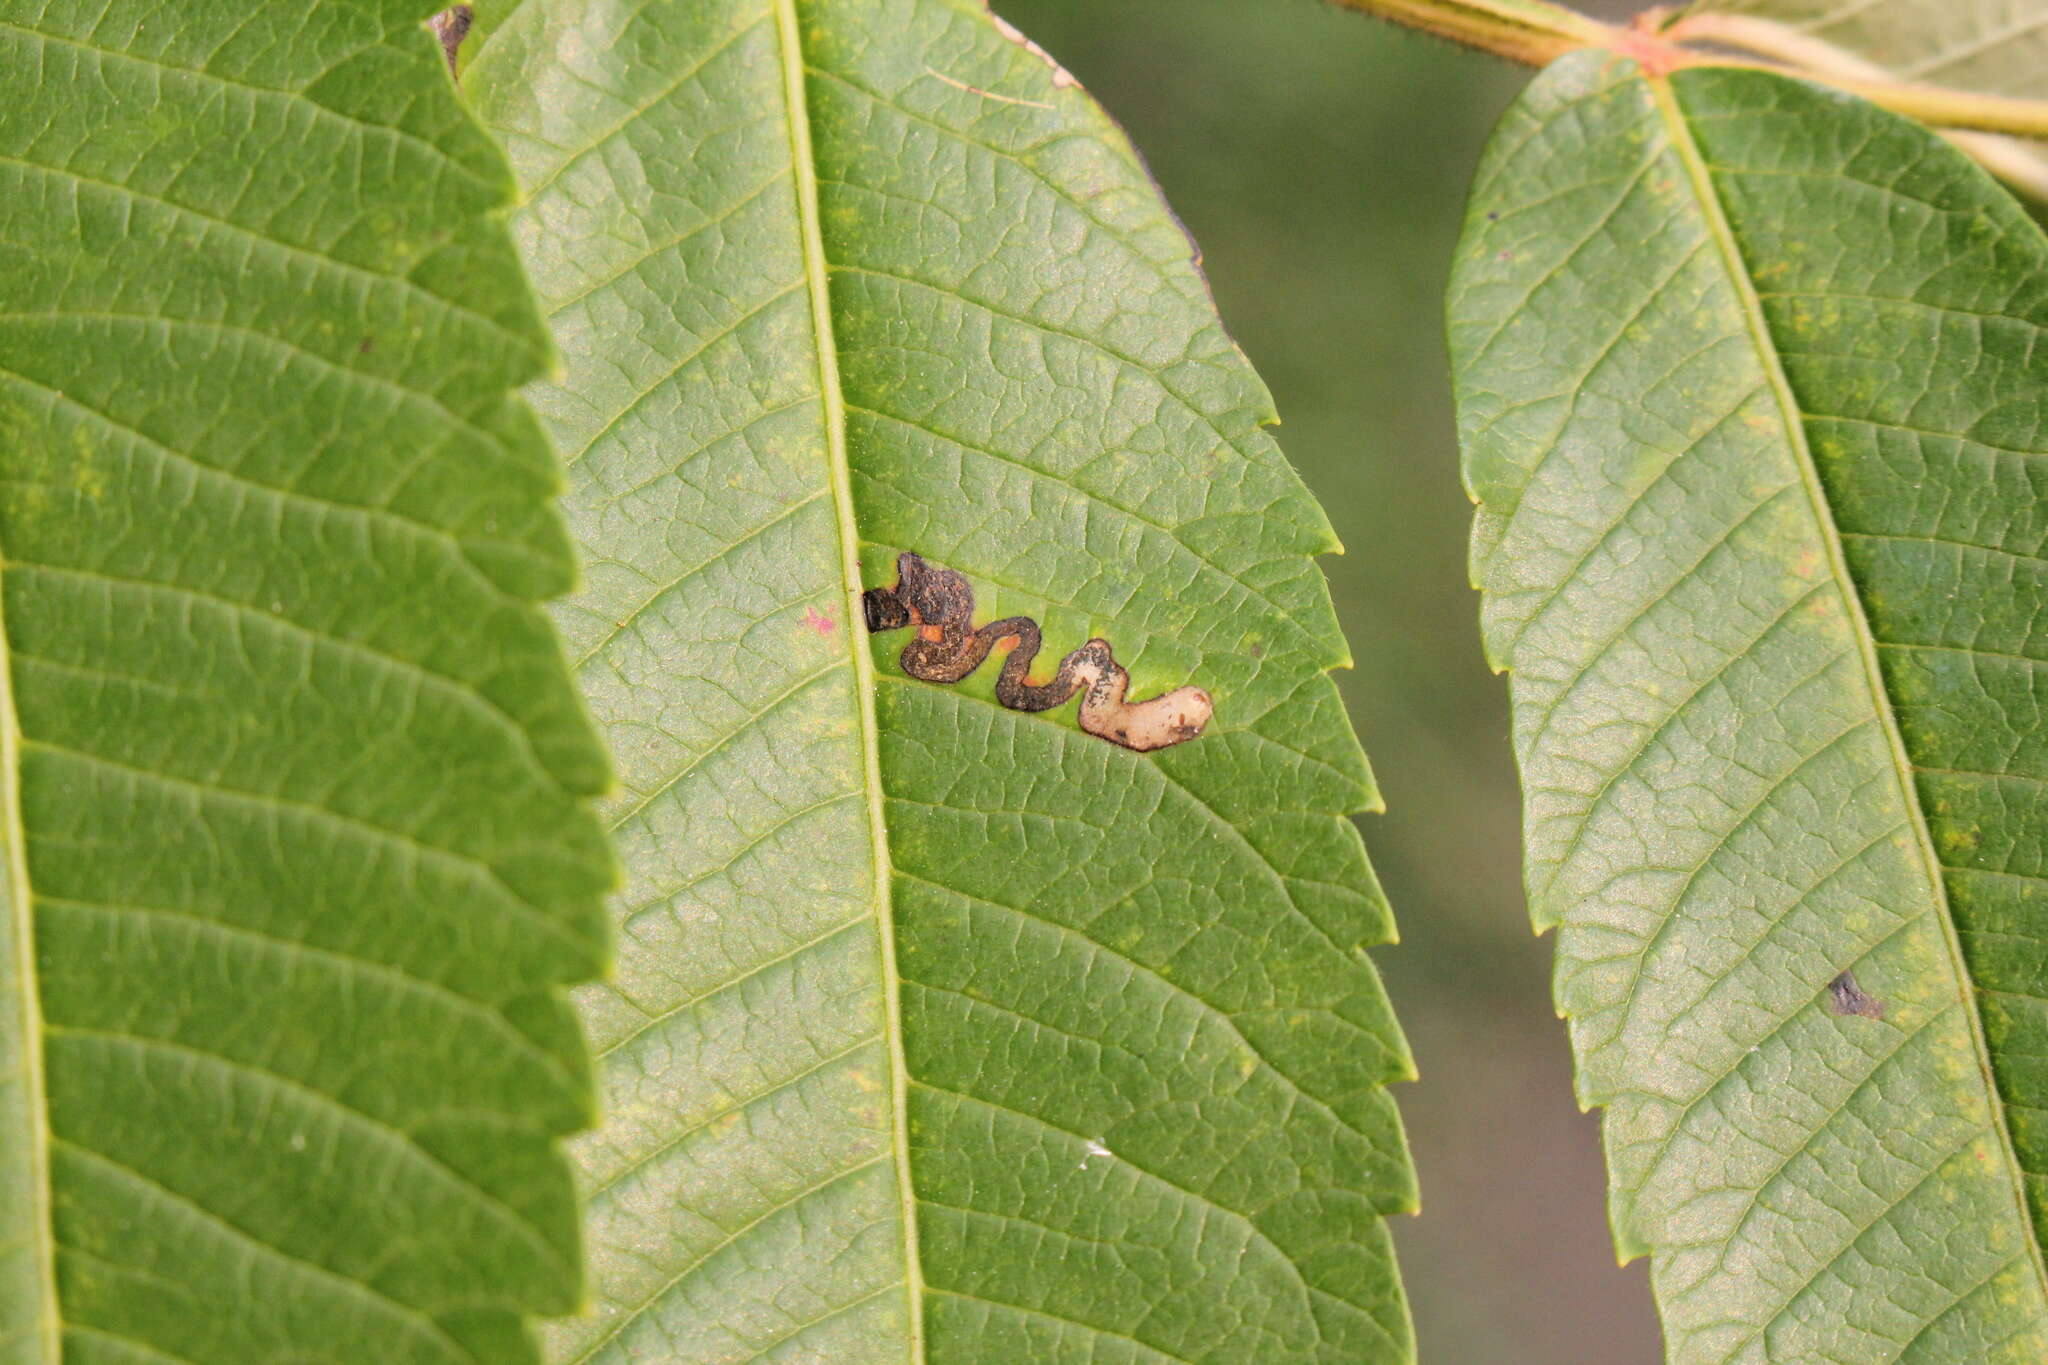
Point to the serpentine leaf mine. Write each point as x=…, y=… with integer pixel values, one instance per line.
x=939, y=605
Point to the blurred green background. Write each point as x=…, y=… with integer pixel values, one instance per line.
x=1321, y=160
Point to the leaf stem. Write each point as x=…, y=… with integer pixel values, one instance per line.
x=1536, y=33
x=1532, y=32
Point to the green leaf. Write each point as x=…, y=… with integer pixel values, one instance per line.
x=940, y=1026
x=1995, y=46
x=298, y=859
x=1752, y=394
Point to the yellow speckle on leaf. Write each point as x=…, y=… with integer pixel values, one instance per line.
x=86, y=475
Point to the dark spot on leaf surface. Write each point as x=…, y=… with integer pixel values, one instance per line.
x=1846, y=997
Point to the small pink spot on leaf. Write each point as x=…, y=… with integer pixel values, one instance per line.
x=821, y=622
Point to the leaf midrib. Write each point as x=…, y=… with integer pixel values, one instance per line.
x=804, y=171
x=35, y=1135
x=1792, y=417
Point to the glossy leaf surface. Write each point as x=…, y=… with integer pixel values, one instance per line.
x=940, y=1028
x=1754, y=405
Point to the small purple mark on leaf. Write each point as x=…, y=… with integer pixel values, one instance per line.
x=1846, y=997
x=820, y=621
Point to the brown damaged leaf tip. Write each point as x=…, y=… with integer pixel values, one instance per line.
x=939, y=605
x=451, y=26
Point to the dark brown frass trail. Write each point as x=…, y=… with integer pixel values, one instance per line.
x=939, y=605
